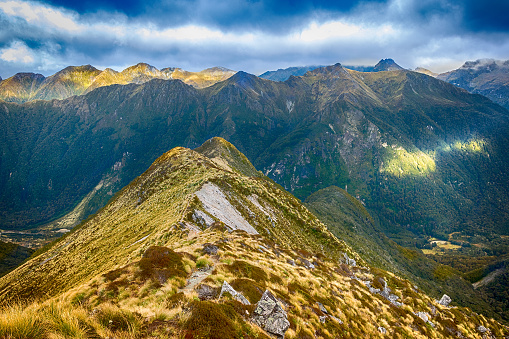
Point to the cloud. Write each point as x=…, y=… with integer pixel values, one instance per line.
x=242, y=35
x=17, y=52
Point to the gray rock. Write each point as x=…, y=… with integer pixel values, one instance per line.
x=210, y=249
x=206, y=292
x=445, y=300
x=386, y=292
x=348, y=261
x=236, y=295
x=482, y=329
x=270, y=315
x=307, y=263
x=336, y=319
x=382, y=330
x=322, y=308
x=423, y=315
x=323, y=318
x=291, y=262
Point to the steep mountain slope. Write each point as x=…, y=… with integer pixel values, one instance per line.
x=78, y=80
x=486, y=76
x=152, y=261
x=20, y=87
x=349, y=220
x=72, y=80
x=423, y=155
x=12, y=255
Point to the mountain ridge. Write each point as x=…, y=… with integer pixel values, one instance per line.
x=153, y=260
x=488, y=77
x=79, y=80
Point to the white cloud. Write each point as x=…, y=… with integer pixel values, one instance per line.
x=368, y=34
x=41, y=15
x=17, y=52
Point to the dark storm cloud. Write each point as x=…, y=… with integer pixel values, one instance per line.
x=244, y=15
x=248, y=35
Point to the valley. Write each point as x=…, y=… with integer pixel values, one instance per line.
x=401, y=172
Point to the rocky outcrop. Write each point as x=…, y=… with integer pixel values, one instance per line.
x=226, y=288
x=206, y=292
x=349, y=261
x=445, y=300
x=270, y=315
x=210, y=249
x=385, y=292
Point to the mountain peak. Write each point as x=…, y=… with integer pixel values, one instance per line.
x=487, y=64
x=244, y=80
x=332, y=71
x=224, y=154
x=217, y=69
x=141, y=67
x=387, y=65
x=76, y=69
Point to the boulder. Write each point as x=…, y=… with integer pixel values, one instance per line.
x=307, y=263
x=336, y=319
x=482, y=329
x=235, y=295
x=382, y=330
x=206, y=292
x=348, y=261
x=210, y=249
x=423, y=315
x=270, y=315
x=322, y=308
x=445, y=300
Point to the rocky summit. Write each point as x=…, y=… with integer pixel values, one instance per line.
x=202, y=245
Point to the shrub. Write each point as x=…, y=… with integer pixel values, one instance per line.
x=17, y=322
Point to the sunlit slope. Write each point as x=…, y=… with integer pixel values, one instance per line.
x=151, y=263
x=176, y=195
x=78, y=80
x=423, y=155
x=349, y=220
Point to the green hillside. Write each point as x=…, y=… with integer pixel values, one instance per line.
x=151, y=263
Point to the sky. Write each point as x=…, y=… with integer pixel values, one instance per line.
x=250, y=35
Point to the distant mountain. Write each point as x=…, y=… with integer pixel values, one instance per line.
x=199, y=247
x=387, y=65
x=403, y=143
x=20, y=87
x=486, y=76
x=78, y=80
x=426, y=71
x=284, y=74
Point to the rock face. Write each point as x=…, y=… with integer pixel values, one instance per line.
x=445, y=300
x=270, y=316
x=236, y=295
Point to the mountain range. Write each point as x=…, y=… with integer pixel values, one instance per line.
x=486, y=76
x=394, y=152
x=78, y=80
x=202, y=245
x=283, y=74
